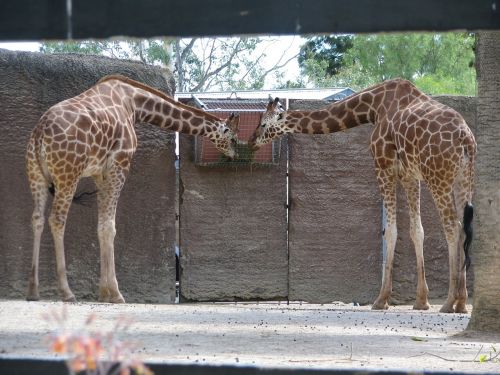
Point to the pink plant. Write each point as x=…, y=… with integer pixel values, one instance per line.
x=95, y=353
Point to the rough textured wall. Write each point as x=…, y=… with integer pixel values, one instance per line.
x=232, y=230
x=335, y=221
x=31, y=83
x=486, y=248
x=435, y=246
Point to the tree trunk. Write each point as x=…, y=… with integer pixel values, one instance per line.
x=486, y=248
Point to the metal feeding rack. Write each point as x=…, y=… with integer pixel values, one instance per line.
x=205, y=153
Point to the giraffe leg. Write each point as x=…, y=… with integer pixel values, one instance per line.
x=387, y=185
x=57, y=221
x=39, y=191
x=446, y=206
x=412, y=188
x=109, y=187
x=460, y=307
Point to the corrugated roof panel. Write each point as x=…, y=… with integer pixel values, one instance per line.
x=317, y=94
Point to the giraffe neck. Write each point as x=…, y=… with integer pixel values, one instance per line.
x=155, y=107
x=358, y=109
x=172, y=115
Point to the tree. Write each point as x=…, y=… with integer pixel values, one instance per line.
x=198, y=64
x=487, y=198
x=112, y=49
x=437, y=63
x=326, y=52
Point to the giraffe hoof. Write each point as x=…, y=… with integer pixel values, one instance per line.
x=447, y=309
x=461, y=309
x=117, y=299
x=380, y=306
x=104, y=298
x=69, y=299
x=421, y=306
x=34, y=297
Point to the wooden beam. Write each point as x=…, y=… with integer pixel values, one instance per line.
x=34, y=20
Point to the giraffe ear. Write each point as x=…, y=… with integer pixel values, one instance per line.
x=234, y=123
x=272, y=104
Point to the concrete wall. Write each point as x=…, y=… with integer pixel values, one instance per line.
x=144, y=244
x=232, y=230
x=335, y=221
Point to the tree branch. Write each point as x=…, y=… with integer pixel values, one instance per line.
x=216, y=71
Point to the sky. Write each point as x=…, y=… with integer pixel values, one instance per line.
x=274, y=47
x=20, y=46
x=286, y=46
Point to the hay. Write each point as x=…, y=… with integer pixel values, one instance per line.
x=245, y=154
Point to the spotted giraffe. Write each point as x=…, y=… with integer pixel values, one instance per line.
x=92, y=134
x=414, y=139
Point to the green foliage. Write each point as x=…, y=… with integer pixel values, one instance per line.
x=325, y=51
x=281, y=83
x=445, y=84
x=148, y=51
x=492, y=356
x=87, y=47
x=437, y=63
x=291, y=85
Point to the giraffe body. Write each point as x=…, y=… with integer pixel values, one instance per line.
x=415, y=138
x=92, y=135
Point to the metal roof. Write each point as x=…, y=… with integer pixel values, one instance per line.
x=333, y=93
x=224, y=105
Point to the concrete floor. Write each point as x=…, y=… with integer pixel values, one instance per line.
x=335, y=336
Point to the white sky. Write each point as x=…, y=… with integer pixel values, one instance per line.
x=275, y=47
x=21, y=46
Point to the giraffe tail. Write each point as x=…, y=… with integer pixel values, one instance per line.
x=468, y=216
x=470, y=154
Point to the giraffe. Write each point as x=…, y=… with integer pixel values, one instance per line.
x=92, y=135
x=414, y=139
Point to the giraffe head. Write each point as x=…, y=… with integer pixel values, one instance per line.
x=272, y=125
x=225, y=135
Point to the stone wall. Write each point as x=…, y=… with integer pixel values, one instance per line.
x=335, y=216
x=486, y=247
x=144, y=244
x=232, y=230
